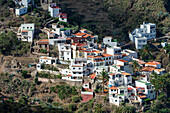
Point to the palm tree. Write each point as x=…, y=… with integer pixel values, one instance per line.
x=105, y=77
x=135, y=66
x=155, y=78
x=146, y=54
x=161, y=83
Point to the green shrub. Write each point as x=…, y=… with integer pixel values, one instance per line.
x=36, y=80
x=59, y=76
x=24, y=74
x=76, y=99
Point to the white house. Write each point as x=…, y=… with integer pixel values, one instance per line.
x=154, y=64
x=54, y=10
x=131, y=54
x=48, y=60
x=60, y=31
x=62, y=17
x=142, y=34
x=109, y=41
x=20, y=11
x=26, y=32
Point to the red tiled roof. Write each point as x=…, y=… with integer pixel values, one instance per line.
x=142, y=96
x=123, y=60
x=113, y=87
x=43, y=42
x=153, y=63
x=86, y=97
x=80, y=34
x=24, y=30
x=69, y=75
x=112, y=74
x=150, y=69
x=63, y=17
x=107, y=55
x=124, y=73
x=92, y=76
x=55, y=7
x=130, y=88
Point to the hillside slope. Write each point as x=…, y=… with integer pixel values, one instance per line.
x=117, y=17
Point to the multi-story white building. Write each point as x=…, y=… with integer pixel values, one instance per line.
x=142, y=34
x=117, y=95
x=64, y=51
x=20, y=11
x=54, y=10
x=115, y=52
x=149, y=89
x=123, y=65
x=26, y=32
x=79, y=68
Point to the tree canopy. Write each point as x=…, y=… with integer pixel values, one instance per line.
x=10, y=45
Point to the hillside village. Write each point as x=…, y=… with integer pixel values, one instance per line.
x=99, y=69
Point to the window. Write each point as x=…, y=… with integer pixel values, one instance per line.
x=23, y=27
x=121, y=91
x=73, y=67
x=74, y=72
x=27, y=27
x=79, y=72
x=115, y=90
x=31, y=27
x=79, y=68
x=111, y=89
x=67, y=53
x=151, y=92
x=115, y=100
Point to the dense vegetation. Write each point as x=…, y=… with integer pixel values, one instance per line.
x=10, y=45
x=11, y=107
x=116, y=17
x=162, y=87
x=64, y=91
